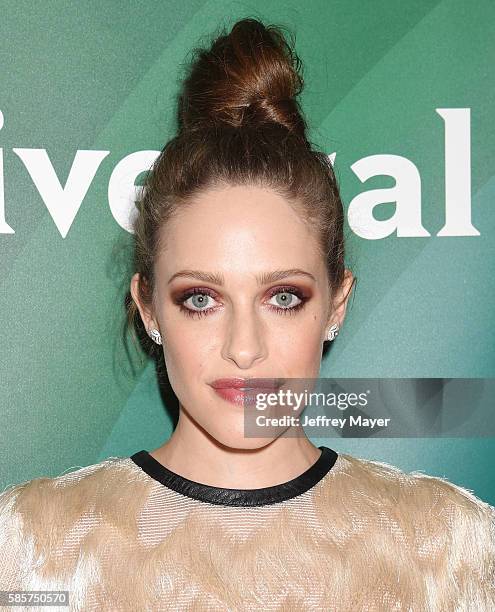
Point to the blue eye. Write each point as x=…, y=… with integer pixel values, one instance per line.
x=199, y=299
x=200, y=305
x=286, y=299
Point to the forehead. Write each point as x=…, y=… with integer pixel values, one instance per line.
x=238, y=229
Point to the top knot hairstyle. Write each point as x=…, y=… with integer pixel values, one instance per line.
x=249, y=78
x=239, y=123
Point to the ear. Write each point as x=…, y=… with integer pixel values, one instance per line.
x=340, y=300
x=145, y=312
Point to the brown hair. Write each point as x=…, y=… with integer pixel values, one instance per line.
x=239, y=124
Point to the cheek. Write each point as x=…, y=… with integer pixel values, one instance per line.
x=299, y=352
x=186, y=361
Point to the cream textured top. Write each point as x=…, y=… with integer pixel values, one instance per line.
x=349, y=534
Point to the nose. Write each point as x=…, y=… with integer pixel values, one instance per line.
x=244, y=340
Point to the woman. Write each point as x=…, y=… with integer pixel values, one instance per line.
x=239, y=275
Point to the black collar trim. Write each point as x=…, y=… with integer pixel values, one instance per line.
x=237, y=497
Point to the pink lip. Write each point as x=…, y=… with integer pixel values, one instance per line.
x=247, y=383
x=243, y=392
x=240, y=397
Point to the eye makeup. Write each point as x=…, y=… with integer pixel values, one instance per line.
x=183, y=297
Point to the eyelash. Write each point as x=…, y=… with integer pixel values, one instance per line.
x=201, y=313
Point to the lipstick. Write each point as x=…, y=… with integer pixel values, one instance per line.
x=243, y=391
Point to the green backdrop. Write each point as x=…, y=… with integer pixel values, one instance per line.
x=80, y=78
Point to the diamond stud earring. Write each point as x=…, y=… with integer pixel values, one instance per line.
x=155, y=335
x=333, y=332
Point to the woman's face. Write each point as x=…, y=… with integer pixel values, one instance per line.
x=219, y=312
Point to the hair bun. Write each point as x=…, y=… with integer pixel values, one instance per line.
x=249, y=77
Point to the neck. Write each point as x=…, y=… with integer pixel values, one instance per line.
x=194, y=454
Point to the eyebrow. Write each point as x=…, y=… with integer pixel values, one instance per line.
x=263, y=279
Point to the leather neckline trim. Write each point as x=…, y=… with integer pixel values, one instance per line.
x=237, y=497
